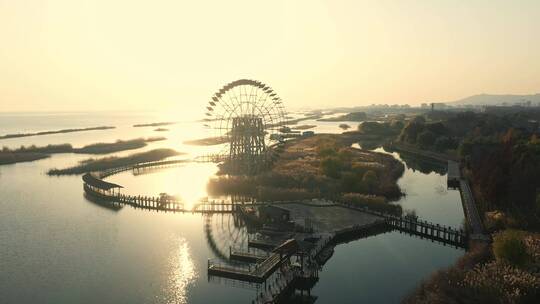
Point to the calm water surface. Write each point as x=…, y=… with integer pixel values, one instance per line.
x=58, y=247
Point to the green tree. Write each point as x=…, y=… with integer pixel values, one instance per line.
x=370, y=180
x=426, y=139
x=326, y=151
x=410, y=132
x=331, y=166
x=443, y=143
x=350, y=182
x=508, y=246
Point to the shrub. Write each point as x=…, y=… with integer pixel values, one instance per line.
x=509, y=247
x=508, y=283
x=442, y=143
x=331, y=166
x=372, y=202
x=284, y=194
x=425, y=138
x=350, y=182
x=370, y=180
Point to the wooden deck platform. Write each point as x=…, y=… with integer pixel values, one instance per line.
x=257, y=273
x=249, y=257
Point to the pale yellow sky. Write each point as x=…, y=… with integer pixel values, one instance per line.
x=127, y=54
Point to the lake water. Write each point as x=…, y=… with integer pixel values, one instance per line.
x=58, y=247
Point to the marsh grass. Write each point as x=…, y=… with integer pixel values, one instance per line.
x=91, y=164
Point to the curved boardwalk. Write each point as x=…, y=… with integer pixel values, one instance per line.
x=162, y=203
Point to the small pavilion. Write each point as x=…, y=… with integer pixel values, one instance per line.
x=100, y=186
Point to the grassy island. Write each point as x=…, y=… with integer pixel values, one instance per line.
x=322, y=166
x=54, y=132
x=154, y=124
x=105, y=163
x=31, y=153
x=119, y=145
x=161, y=129
x=208, y=141
x=354, y=116
x=7, y=158
x=303, y=127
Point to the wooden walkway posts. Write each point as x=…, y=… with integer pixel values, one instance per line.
x=443, y=234
x=160, y=203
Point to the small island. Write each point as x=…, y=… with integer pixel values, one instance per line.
x=100, y=164
x=31, y=153
x=354, y=116
x=303, y=127
x=54, y=132
x=154, y=124
x=208, y=141
x=321, y=166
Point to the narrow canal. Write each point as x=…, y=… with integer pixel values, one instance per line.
x=386, y=267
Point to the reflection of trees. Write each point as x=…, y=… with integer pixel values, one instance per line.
x=422, y=164
x=412, y=161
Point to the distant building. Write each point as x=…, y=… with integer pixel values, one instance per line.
x=438, y=106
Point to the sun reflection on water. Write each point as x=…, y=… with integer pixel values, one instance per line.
x=182, y=273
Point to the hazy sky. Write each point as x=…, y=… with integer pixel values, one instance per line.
x=115, y=54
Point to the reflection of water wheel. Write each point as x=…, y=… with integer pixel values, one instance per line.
x=224, y=231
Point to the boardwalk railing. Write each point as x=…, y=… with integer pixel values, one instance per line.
x=429, y=230
x=422, y=228
x=256, y=273
x=140, y=166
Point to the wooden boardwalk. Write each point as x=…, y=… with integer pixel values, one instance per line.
x=414, y=226
x=425, y=229
x=161, y=203
x=245, y=256
x=471, y=212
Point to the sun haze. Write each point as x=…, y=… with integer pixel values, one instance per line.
x=66, y=55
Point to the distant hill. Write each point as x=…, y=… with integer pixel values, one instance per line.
x=488, y=99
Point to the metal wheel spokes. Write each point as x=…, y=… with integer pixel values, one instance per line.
x=244, y=98
x=248, y=116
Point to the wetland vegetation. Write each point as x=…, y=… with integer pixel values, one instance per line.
x=91, y=164
x=321, y=166
x=303, y=127
x=208, y=141
x=354, y=116
x=31, y=153
x=54, y=132
x=154, y=124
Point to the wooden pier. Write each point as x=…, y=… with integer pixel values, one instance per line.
x=257, y=273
